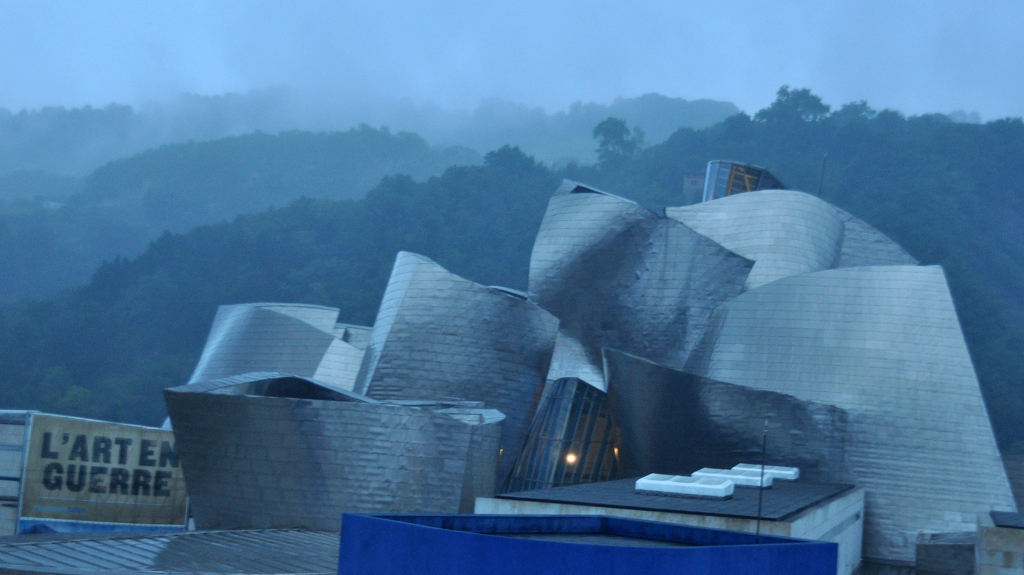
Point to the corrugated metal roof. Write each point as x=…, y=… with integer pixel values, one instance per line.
x=261, y=551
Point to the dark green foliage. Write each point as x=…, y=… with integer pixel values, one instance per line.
x=46, y=245
x=616, y=144
x=949, y=192
x=106, y=350
x=793, y=106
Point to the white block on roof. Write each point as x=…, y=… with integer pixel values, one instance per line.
x=738, y=476
x=684, y=486
x=776, y=471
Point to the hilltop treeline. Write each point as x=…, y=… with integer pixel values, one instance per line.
x=75, y=141
x=947, y=192
x=57, y=225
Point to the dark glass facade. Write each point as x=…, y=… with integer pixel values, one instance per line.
x=573, y=439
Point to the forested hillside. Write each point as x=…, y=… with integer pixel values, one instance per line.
x=76, y=141
x=948, y=192
x=50, y=242
x=59, y=218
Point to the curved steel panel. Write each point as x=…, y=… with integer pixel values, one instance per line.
x=676, y=423
x=573, y=359
x=439, y=335
x=788, y=233
x=298, y=456
x=884, y=344
x=784, y=232
x=288, y=338
x=863, y=245
x=618, y=275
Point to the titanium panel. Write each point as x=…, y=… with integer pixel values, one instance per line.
x=884, y=344
x=286, y=338
x=271, y=450
x=784, y=232
x=618, y=275
x=863, y=245
x=572, y=359
x=676, y=423
x=355, y=335
x=440, y=335
x=789, y=233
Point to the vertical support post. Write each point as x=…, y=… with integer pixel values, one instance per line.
x=760, y=485
x=821, y=180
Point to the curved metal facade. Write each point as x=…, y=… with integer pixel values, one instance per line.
x=863, y=245
x=268, y=450
x=439, y=335
x=663, y=338
x=788, y=233
x=573, y=359
x=784, y=232
x=676, y=423
x=288, y=338
x=884, y=344
x=618, y=275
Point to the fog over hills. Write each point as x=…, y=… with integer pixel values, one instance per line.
x=946, y=191
x=85, y=185
x=73, y=142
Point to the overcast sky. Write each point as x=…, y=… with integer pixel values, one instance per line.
x=917, y=57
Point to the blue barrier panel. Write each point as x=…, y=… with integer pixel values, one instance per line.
x=513, y=544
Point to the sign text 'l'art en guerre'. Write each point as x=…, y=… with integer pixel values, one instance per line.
x=84, y=470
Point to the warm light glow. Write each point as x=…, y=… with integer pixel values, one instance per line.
x=616, y=452
x=571, y=458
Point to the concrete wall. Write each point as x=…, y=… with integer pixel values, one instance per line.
x=1000, y=550
x=839, y=521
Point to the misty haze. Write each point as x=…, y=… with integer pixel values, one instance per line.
x=158, y=162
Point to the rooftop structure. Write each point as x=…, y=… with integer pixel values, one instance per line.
x=829, y=512
x=722, y=179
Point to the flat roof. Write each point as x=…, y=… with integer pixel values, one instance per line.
x=782, y=501
x=257, y=552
